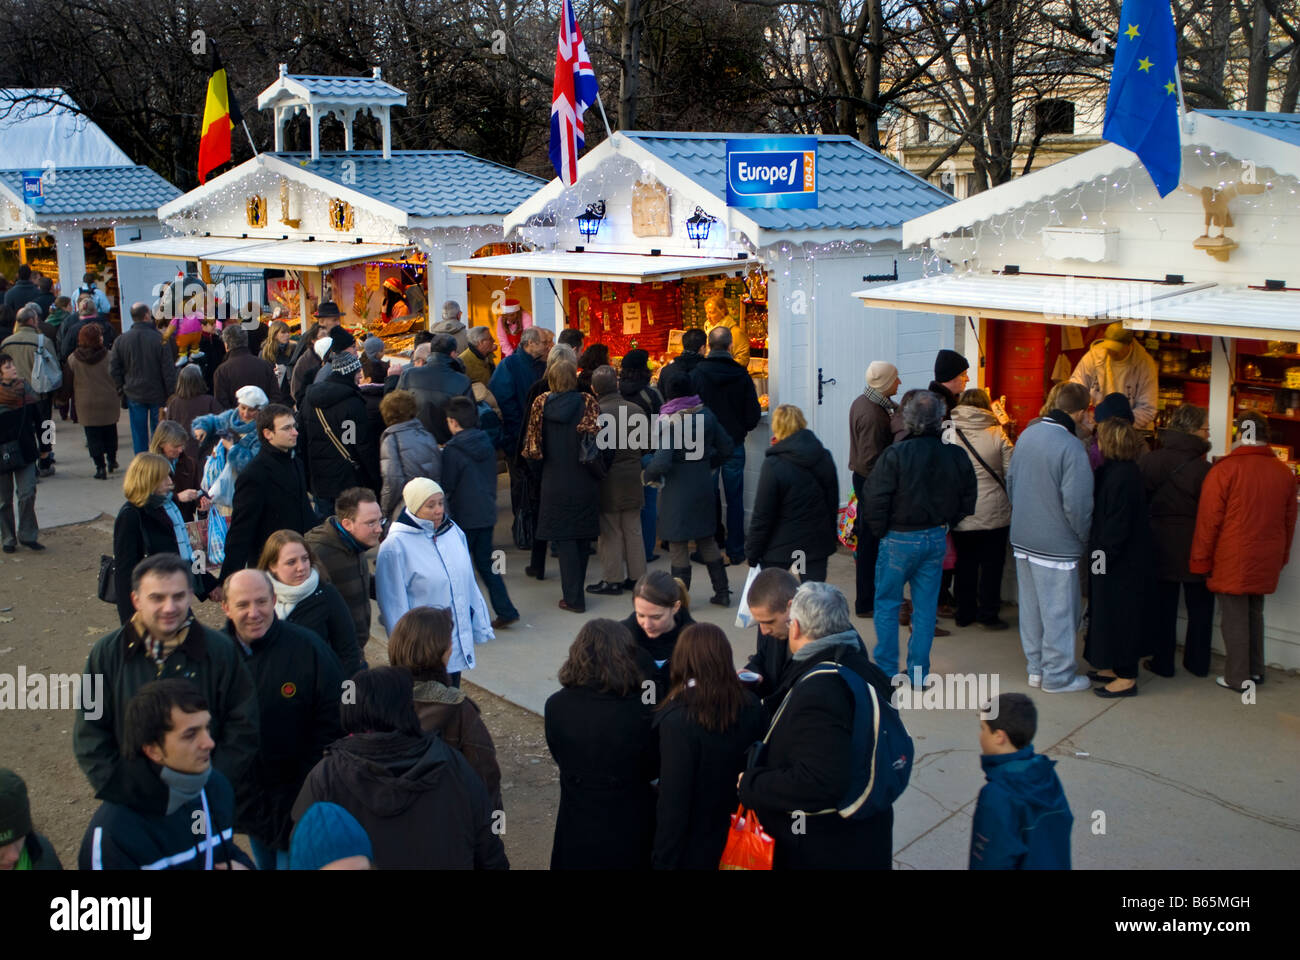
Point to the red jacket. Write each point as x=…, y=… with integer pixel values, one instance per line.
x=1239, y=541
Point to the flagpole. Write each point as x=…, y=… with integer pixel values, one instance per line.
x=608, y=131
x=256, y=152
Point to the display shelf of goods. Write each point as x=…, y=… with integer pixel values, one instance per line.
x=606, y=321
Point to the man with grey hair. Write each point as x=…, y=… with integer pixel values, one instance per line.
x=145, y=373
x=921, y=486
x=452, y=325
x=479, y=357
x=242, y=368
x=728, y=391
x=808, y=765
x=513, y=379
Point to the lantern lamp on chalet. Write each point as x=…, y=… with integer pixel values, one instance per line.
x=589, y=221
x=697, y=226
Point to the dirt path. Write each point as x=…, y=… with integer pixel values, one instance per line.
x=49, y=619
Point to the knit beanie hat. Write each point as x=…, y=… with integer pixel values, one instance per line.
x=881, y=375
x=1114, y=405
x=374, y=348
x=252, y=396
x=340, y=339
x=637, y=359
x=322, y=347
x=15, y=810
x=417, y=491
x=327, y=833
x=948, y=365
x=345, y=363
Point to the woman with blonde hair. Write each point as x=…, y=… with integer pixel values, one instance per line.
x=148, y=523
x=304, y=596
x=1122, y=552
x=797, y=501
x=168, y=441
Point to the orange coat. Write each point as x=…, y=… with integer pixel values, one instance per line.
x=1245, y=522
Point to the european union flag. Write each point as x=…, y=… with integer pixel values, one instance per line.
x=1142, y=108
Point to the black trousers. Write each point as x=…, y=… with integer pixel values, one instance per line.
x=977, y=578
x=518, y=480
x=46, y=407
x=1164, y=626
x=574, y=555
x=865, y=556
x=814, y=570
x=101, y=442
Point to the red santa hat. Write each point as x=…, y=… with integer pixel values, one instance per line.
x=508, y=306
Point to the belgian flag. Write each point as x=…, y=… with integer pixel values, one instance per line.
x=220, y=114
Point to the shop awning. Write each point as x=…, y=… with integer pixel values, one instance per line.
x=19, y=234
x=1064, y=301
x=303, y=254
x=609, y=267
x=184, y=248
x=1234, y=311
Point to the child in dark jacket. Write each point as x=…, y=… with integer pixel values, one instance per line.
x=1022, y=819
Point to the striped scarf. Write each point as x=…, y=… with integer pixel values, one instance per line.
x=879, y=399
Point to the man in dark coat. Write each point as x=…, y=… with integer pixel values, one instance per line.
x=469, y=479
x=299, y=683
x=336, y=442
x=145, y=373
x=769, y=599
x=950, y=377
x=434, y=384
x=919, y=488
x=71, y=328
x=870, y=431
x=175, y=810
x=44, y=299
x=808, y=763
x=24, y=291
x=341, y=543
x=304, y=362
x=270, y=493
x=728, y=390
x=693, y=342
x=164, y=640
x=241, y=368
x=510, y=383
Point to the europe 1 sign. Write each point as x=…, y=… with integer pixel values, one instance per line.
x=772, y=172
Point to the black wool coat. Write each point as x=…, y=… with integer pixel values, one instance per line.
x=808, y=764
x=326, y=615
x=650, y=650
x=686, y=509
x=338, y=399
x=570, y=491
x=298, y=685
x=138, y=533
x=697, y=784
x=607, y=753
x=796, y=504
x=270, y=495
x=1172, y=477
x=1121, y=539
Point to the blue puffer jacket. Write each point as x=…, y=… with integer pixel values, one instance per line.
x=418, y=566
x=222, y=466
x=1022, y=819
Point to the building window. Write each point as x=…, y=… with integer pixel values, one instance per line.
x=1054, y=116
x=971, y=182
x=945, y=181
x=922, y=128
x=341, y=216
x=255, y=211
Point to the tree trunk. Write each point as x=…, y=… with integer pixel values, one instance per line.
x=1257, y=73
x=1291, y=87
x=629, y=89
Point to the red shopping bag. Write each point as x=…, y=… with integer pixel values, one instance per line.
x=748, y=846
x=950, y=555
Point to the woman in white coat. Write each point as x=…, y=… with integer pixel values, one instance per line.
x=425, y=561
x=981, y=539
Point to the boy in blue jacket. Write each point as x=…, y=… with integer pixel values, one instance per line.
x=1022, y=819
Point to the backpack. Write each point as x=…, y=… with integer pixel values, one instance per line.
x=884, y=772
x=47, y=374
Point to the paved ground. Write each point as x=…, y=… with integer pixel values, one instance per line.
x=1183, y=776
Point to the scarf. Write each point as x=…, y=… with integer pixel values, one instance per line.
x=349, y=541
x=879, y=399
x=182, y=788
x=681, y=403
x=814, y=648
x=90, y=357
x=14, y=393
x=178, y=526
x=287, y=597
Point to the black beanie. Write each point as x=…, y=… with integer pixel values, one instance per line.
x=948, y=365
x=340, y=339
x=1114, y=405
x=15, y=810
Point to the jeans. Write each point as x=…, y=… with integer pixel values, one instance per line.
x=1164, y=626
x=1050, y=607
x=913, y=557
x=733, y=487
x=864, y=558
x=144, y=421
x=480, y=551
x=268, y=858
x=977, y=579
x=23, y=482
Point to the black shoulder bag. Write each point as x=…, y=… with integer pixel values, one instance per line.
x=975, y=453
x=108, y=567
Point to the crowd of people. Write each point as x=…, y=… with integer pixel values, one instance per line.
x=265, y=485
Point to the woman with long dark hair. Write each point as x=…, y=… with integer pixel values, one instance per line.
x=705, y=726
x=599, y=732
x=592, y=359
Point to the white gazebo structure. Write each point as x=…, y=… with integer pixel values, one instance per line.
x=344, y=97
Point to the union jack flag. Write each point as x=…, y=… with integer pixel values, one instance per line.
x=575, y=90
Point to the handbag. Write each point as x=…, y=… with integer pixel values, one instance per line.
x=47, y=374
x=11, y=456
x=108, y=568
x=749, y=846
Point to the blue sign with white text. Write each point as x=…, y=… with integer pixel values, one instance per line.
x=33, y=188
x=772, y=172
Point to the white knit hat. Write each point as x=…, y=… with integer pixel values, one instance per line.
x=251, y=396
x=881, y=375
x=417, y=491
x=322, y=346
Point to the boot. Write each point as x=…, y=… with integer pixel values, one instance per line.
x=684, y=575
x=721, y=588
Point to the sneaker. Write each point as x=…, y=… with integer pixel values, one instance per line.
x=1035, y=679
x=1074, y=686
x=1227, y=686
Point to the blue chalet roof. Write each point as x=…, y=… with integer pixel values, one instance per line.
x=857, y=188
x=1279, y=126
x=98, y=191
x=426, y=183
x=347, y=87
